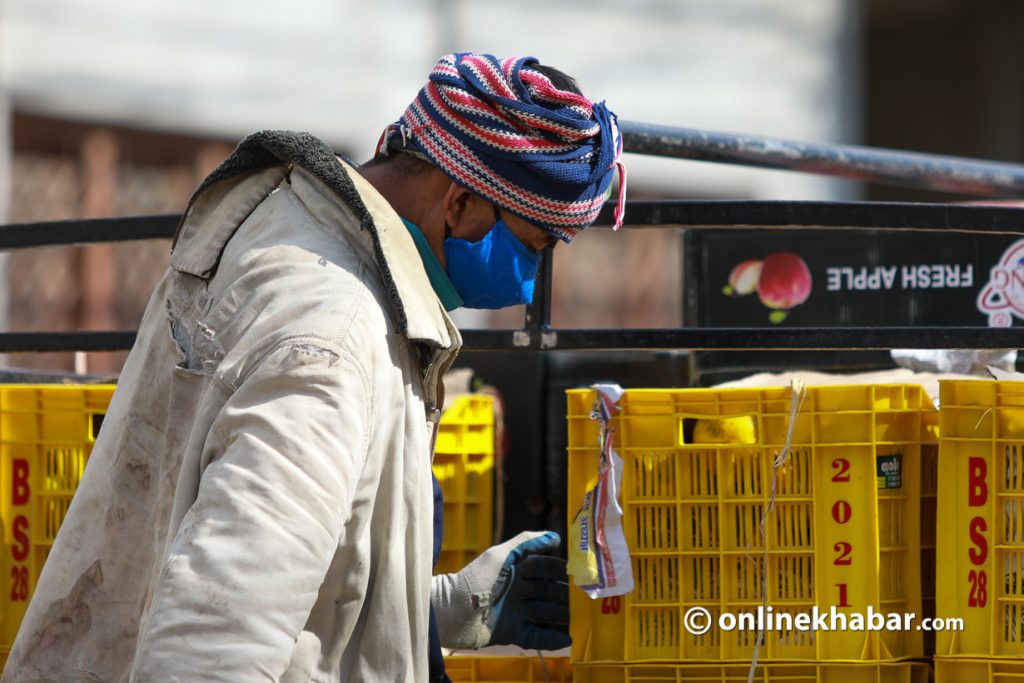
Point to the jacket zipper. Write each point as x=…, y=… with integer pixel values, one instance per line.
x=433, y=423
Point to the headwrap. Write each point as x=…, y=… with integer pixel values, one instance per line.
x=503, y=130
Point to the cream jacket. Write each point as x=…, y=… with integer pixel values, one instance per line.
x=258, y=504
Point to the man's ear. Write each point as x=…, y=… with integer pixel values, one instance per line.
x=455, y=204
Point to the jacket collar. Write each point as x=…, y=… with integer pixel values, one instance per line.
x=418, y=313
x=425, y=317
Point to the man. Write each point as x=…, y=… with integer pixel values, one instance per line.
x=259, y=503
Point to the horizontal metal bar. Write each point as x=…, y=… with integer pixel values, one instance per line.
x=750, y=339
x=910, y=169
x=87, y=230
x=48, y=342
x=842, y=215
x=668, y=213
x=736, y=339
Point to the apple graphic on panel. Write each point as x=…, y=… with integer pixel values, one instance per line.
x=782, y=280
x=743, y=278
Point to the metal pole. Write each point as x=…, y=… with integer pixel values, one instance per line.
x=538, y=312
x=703, y=339
x=910, y=169
x=665, y=213
x=6, y=167
x=749, y=339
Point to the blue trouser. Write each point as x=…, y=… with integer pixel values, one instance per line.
x=437, y=674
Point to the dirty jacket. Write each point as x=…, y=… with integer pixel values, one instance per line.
x=258, y=503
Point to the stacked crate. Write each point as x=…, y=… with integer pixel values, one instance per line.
x=464, y=467
x=841, y=529
x=46, y=436
x=980, y=550
x=506, y=669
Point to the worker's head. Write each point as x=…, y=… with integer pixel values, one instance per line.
x=528, y=159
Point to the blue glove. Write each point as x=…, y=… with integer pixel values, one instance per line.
x=515, y=593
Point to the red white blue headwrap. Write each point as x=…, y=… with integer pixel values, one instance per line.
x=501, y=128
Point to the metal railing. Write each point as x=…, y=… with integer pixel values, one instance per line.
x=964, y=176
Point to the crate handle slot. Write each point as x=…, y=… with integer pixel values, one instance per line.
x=718, y=430
x=95, y=422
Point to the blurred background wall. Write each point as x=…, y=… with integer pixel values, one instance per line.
x=120, y=107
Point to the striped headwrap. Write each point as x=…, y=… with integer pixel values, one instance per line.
x=501, y=128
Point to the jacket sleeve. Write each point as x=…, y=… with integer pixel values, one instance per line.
x=245, y=566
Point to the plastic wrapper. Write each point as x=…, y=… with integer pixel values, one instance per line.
x=599, y=559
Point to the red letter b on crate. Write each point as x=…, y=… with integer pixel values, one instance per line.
x=977, y=487
x=19, y=482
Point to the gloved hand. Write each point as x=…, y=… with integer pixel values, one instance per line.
x=513, y=594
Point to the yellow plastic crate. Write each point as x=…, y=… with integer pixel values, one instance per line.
x=788, y=672
x=980, y=552
x=838, y=534
x=46, y=436
x=987, y=670
x=464, y=467
x=517, y=669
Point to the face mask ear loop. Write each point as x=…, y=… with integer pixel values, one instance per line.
x=620, y=205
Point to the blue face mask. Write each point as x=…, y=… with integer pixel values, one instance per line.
x=495, y=272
